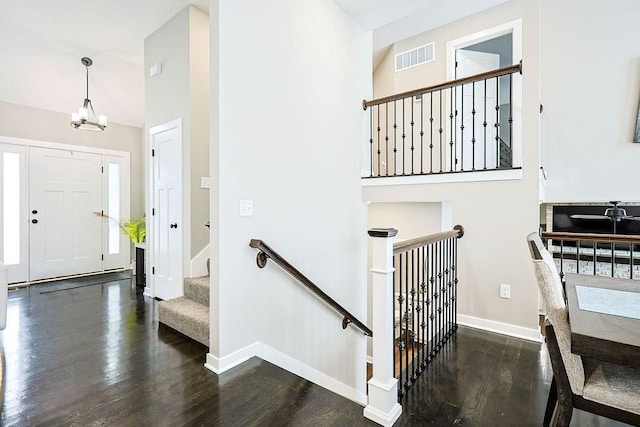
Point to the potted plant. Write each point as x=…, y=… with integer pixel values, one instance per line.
x=135, y=229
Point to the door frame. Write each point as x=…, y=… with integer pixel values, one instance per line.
x=515, y=29
x=104, y=152
x=150, y=288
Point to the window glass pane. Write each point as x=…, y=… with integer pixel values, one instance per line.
x=114, y=208
x=11, y=208
x=406, y=59
x=414, y=57
x=422, y=55
x=398, y=62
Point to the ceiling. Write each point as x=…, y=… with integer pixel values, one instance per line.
x=42, y=41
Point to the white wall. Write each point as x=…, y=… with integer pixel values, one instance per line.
x=181, y=46
x=496, y=215
x=291, y=79
x=590, y=87
x=19, y=121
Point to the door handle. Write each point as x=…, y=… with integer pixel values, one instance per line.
x=174, y=225
x=34, y=211
x=34, y=221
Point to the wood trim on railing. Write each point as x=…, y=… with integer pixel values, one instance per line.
x=458, y=82
x=407, y=245
x=267, y=253
x=585, y=237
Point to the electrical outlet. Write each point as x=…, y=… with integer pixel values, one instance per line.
x=505, y=291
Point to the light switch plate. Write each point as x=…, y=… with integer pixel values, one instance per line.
x=246, y=207
x=205, y=182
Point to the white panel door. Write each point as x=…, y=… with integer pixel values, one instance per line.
x=13, y=212
x=166, y=240
x=482, y=98
x=65, y=213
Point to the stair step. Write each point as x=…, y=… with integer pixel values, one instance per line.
x=187, y=317
x=197, y=289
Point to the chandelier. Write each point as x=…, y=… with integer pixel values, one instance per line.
x=86, y=117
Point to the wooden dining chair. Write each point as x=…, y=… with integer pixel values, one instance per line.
x=601, y=388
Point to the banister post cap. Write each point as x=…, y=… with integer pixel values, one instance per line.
x=460, y=230
x=383, y=232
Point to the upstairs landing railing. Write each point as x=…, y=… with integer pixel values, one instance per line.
x=464, y=125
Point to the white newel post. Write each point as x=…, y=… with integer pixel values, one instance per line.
x=383, y=406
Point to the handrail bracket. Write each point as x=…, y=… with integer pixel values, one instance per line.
x=261, y=259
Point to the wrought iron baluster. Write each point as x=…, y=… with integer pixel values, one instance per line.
x=413, y=316
x=455, y=282
x=441, y=296
x=451, y=130
x=440, y=130
x=396, y=314
x=497, y=125
x=511, y=118
x=379, y=128
x=433, y=297
x=431, y=133
x=407, y=384
x=562, y=261
x=404, y=136
x=461, y=128
x=423, y=308
x=630, y=260
x=484, y=124
x=578, y=257
x=595, y=258
x=395, y=134
x=473, y=126
x=401, y=346
x=386, y=138
x=613, y=257
x=412, y=135
x=421, y=134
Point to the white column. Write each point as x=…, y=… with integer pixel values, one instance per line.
x=383, y=406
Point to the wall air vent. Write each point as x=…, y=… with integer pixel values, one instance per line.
x=417, y=56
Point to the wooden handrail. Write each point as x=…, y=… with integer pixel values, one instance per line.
x=267, y=253
x=592, y=237
x=407, y=245
x=458, y=82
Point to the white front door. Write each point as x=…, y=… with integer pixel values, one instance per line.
x=13, y=212
x=64, y=212
x=167, y=238
x=476, y=146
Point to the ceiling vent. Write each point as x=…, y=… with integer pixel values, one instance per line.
x=414, y=57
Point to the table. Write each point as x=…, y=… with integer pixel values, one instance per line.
x=607, y=337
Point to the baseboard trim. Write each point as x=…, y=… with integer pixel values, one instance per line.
x=271, y=355
x=225, y=363
x=500, y=328
x=300, y=369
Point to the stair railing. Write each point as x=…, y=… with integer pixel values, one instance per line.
x=464, y=125
x=414, y=285
x=267, y=253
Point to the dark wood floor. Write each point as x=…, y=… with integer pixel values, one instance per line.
x=95, y=355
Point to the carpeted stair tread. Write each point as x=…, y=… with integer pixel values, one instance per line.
x=187, y=317
x=197, y=289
